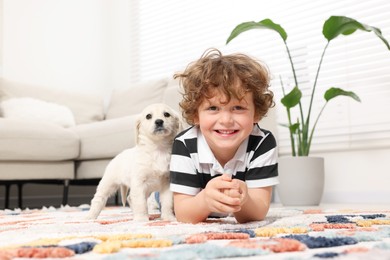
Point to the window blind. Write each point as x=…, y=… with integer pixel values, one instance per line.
x=167, y=35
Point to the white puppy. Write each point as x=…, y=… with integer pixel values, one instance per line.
x=144, y=168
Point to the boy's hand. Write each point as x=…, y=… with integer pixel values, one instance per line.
x=241, y=192
x=217, y=200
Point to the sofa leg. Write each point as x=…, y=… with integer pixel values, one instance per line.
x=117, y=198
x=7, y=191
x=20, y=194
x=66, y=192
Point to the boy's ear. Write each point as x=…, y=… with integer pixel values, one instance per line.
x=256, y=119
x=196, y=120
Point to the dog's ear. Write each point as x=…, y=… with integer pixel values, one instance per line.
x=179, y=121
x=137, y=126
x=181, y=124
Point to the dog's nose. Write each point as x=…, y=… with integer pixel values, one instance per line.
x=159, y=122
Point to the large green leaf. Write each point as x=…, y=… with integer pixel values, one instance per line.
x=293, y=128
x=337, y=25
x=264, y=24
x=334, y=92
x=292, y=99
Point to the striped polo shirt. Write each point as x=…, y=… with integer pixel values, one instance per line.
x=193, y=164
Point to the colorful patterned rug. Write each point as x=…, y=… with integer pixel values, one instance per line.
x=286, y=233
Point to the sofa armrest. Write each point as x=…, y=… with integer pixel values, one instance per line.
x=29, y=140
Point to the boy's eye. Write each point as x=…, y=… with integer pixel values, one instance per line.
x=238, y=108
x=213, y=108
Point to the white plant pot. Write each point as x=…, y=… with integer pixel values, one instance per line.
x=301, y=180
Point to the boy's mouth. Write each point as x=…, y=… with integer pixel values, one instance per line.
x=226, y=132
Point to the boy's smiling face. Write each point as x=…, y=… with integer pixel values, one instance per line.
x=226, y=125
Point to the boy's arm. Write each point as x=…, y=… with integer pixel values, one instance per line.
x=196, y=208
x=190, y=209
x=256, y=205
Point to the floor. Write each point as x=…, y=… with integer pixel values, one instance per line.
x=356, y=206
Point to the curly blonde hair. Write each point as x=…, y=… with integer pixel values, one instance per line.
x=217, y=72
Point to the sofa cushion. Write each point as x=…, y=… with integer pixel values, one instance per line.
x=133, y=100
x=37, y=170
x=29, y=140
x=36, y=109
x=86, y=107
x=91, y=169
x=106, y=139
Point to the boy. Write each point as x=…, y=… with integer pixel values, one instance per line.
x=224, y=163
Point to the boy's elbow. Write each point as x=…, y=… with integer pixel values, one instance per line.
x=248, y=216
x=189, y=220
x=246, y=219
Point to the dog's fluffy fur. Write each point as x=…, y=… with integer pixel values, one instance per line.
x=144, y=168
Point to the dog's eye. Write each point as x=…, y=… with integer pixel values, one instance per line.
x=166, y=114
x=148, y=116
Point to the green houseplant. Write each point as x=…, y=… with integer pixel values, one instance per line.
x=302, y=177
x=302, y=130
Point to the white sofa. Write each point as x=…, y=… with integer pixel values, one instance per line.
x=44, y=149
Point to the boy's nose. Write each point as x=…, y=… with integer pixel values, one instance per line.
x=226, y=117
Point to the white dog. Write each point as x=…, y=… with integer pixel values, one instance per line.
x=144, y=168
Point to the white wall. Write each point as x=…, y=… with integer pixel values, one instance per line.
x=69, y=44
x=361, y=176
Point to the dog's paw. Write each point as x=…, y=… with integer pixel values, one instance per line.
x=141, y=218
x=90, y=216
x=168, y=217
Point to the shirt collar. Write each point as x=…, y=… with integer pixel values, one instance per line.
x=206, y=156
